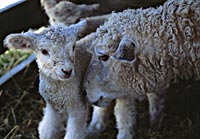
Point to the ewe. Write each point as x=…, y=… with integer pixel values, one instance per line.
x=67, y=12
x=137, y=54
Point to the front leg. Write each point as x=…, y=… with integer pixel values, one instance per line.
x=76, y=126
x=100, y=116
x=125, y=114
x=156, y=105
x=51, y=125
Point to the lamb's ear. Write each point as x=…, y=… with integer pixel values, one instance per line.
x=126, y=50
x=80, y=29
x=86, y=43
x=20, y=41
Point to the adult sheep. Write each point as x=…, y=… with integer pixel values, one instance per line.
x=61, y=72
x=138, y=54
x=66, y=12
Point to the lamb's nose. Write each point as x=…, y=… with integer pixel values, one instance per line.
x=67, y=71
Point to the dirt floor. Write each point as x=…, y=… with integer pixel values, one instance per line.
x=21, y=110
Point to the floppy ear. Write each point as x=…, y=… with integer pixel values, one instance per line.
x=80, y=29
x=126, y=51
x=20, y=41
x=86, y=43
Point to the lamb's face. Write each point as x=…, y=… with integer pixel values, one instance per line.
x=53, y=47
x=106, y=79
x=55, y=58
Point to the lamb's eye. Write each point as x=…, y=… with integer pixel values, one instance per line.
x=104, y=57
x=44, y=52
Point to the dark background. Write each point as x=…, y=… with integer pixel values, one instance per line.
x=21, y=18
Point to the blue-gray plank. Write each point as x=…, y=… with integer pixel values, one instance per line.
x=17, y=69
x=7, y=4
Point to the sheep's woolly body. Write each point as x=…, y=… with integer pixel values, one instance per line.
x=174, y=24
x=139, y=53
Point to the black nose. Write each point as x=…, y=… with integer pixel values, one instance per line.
x=67, y=72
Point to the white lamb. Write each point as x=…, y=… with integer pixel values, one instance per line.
x=137, y=54
x=61, y=72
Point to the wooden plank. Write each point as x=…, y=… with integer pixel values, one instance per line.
x=16, y=69
x=7, y=4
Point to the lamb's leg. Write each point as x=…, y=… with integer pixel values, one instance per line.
x=99, y=117
x=125, y=114
x=51, y=125
x=156, y=105
x=76, y=125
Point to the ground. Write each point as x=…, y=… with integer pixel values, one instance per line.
x=21, y=110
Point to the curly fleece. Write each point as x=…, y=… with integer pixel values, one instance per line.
x=167, y=42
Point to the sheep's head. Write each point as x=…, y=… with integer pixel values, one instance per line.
x=53, y=47
x=106, y=79
x=68, y=13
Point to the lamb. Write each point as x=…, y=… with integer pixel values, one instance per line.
x=138, y=54
x=67, y=12
x=61, y=72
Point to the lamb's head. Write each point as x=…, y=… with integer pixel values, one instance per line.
x=53, y=47
x=109, y=71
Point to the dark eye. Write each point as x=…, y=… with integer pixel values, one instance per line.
x=44, y=52
x=104, y=57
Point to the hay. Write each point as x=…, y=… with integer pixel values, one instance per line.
x=21, y=110
x=10, y=59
